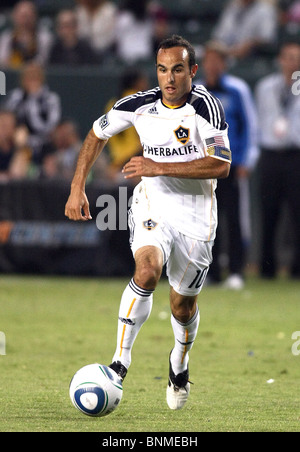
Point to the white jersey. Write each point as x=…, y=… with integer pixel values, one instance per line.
x=193, y=131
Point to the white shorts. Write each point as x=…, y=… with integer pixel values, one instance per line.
x=187, y=259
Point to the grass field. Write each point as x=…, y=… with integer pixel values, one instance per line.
x=54, y=326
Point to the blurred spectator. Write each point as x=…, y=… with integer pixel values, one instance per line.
x=96, y=23
x=293, y=13
x=35, y=106
x=233, y=192
x=126, y=144
x=7, y=4
x=279, y=118
x=140, y=26
x=26, y=40
x=289, y=11
x=61, y=157
x=14, y=153
x=134, y=31
x=245, y=26
x=68, y=49
x=288, y=17
x=161, y=23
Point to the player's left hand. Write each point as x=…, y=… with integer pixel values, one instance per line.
x=77, y=207
x=140, y=166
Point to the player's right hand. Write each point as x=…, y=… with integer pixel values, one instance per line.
x=77, y=207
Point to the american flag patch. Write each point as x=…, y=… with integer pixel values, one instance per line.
x=215, y=141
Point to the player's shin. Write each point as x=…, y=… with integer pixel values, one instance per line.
x=185, y=335
x=135, y=308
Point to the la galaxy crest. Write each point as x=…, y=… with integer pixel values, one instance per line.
x=149, y=224
x=182, y=134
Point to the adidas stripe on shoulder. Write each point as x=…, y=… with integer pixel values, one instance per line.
x=135, y=101
x=208, y=106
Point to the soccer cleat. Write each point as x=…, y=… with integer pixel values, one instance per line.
x=178, y=389
x=120, y=370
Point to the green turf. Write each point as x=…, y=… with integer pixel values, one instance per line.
x=54, y=326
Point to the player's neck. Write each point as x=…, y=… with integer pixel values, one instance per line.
x=173, y=106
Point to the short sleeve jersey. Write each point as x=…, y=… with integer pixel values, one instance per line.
x=193, y=131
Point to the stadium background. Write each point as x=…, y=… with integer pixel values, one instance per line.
x=34, y=235
x=245, y=367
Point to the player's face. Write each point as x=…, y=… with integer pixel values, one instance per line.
x=174, y=75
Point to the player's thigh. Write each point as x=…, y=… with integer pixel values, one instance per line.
x=148, y=266
x=149, y=233
x=188, y=265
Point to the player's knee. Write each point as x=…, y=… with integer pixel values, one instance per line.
x=148, y=267
x=183, y=308
x=147, y=276
x=183, y=315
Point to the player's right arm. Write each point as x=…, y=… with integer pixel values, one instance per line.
x=77, y=207
x=108, y=125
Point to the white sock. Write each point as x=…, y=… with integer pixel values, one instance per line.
x=135, y=308
x=185, y=335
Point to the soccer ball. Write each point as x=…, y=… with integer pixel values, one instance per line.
x=96, y=390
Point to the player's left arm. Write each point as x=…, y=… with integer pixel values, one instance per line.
x=205, y=168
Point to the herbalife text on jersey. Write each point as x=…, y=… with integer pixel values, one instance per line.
x=167, y=151
x=114, y=210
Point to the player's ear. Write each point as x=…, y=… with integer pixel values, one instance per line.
x=194, y=70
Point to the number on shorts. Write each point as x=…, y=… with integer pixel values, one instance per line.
x=199, y=278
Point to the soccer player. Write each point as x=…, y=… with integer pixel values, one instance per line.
x=173, y=217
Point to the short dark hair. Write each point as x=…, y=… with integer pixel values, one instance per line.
x=178, y=41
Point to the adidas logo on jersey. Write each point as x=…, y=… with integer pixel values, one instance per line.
x=153, y=111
